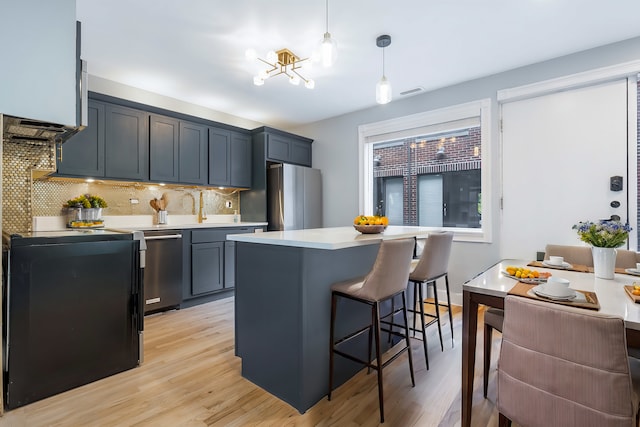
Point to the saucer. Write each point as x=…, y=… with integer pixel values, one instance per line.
x=564, y=265
x=540, y=291
x=633, y=271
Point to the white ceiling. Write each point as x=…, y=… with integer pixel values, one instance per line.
x=193, y=50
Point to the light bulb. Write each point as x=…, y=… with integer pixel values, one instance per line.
x=294, y=80
x=272, y=57
x=383, y=91
x=328, y=50
x=258, y=81
x=309, y=84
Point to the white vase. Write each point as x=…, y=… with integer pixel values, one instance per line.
x=604, y=262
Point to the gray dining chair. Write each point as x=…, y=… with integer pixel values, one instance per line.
x=565, y=366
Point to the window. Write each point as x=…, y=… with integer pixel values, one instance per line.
x=430, y=169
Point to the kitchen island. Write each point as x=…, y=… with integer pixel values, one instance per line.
x=283, y=306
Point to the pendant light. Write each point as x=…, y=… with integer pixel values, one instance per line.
x=328, y=46
x=383, y=88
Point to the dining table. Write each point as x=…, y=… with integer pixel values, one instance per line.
x=490, y=288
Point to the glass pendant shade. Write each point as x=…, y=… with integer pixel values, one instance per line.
x=328, y=50
x=383, y=91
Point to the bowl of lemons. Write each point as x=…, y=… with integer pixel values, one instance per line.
x=370, y=224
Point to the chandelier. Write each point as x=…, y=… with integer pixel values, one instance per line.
x=282, y=62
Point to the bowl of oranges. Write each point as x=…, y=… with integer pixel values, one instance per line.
x=370, y=224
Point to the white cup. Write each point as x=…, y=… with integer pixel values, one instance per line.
x=557, y=286
x=556, y=260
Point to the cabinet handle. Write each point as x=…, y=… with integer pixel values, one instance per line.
x=60, y=151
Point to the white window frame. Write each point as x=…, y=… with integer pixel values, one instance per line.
x=367, y=132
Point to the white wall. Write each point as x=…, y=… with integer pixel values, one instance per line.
x=38, y=72
x=335, y=149
x=118, y=90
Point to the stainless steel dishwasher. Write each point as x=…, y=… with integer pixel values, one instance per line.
x=163, y=270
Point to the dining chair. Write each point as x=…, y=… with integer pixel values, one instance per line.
x=432, y=265
x=386, y=280
x=580, y=255
x=565, y=366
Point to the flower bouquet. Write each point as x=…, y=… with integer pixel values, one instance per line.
x=604, y=236
x=605, y=233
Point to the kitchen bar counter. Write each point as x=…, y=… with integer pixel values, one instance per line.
x=283, y=305
x=328, y=238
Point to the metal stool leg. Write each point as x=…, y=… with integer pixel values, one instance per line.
x=331, y=334
x=437, y=307
x=406, y=335
x=376, y=309
x=424, y=326
x=446, y=281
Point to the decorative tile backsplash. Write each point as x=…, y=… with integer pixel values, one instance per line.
x=25, y=197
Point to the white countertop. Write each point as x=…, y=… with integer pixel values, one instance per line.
x=328, y=238
x=146, y=222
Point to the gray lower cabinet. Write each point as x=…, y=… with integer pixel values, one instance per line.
x=83, y=154
x=127, y=143
x=209, y=261
x=207, y=267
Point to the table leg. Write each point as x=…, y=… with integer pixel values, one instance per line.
x=469, y=331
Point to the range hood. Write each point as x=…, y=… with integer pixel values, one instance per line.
x=16, y=129
x=19, y=129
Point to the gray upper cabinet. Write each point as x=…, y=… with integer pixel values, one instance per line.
x=288, y=149
x=127, y=143
x=229, y=158
x=163, y=149
x=193, y=153
x=177, y=151
x=83, y=154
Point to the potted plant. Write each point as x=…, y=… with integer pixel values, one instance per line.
x=603, y=236
x=85, y=211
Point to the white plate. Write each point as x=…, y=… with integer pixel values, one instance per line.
x=564, y=265
x=632, y=271
x=540, y=291
x=534, y=281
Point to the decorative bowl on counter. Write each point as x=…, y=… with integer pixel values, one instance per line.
x=370, y=229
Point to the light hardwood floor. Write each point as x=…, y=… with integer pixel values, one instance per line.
x=190, y=377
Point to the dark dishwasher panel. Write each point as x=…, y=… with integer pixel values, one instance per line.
x=163, y=270
x=71, y=315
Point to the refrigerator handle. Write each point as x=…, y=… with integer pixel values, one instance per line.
x=281, y=207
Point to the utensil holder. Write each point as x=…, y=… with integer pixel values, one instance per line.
x=162, y=217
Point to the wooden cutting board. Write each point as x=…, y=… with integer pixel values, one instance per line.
x=629, y=289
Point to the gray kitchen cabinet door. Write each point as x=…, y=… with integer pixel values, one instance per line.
x=193, y=153
x=219, y=154
x=300, y=153
x=83, y=154
x=278, y=148
x=207, y=267
x=126, y=143
x=240, y=160
x=229, y=265
x=163, y=149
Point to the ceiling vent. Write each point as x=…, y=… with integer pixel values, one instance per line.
x=412, y=91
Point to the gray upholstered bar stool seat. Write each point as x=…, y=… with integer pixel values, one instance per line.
x=387, y=279
x=432, y=265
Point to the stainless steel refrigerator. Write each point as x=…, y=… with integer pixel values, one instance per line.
x=294, y=197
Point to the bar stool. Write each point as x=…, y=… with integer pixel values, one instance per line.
x=432, y=265
x=387, y=279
